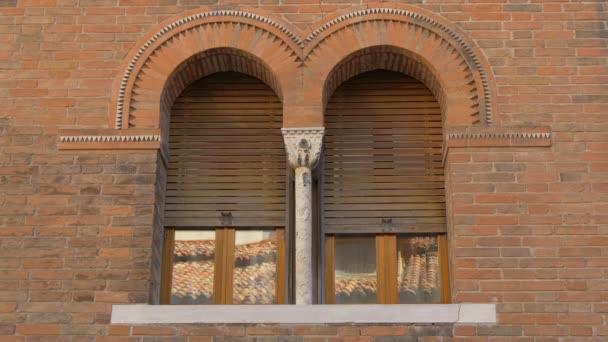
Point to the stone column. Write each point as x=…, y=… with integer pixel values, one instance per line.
x=303, y=147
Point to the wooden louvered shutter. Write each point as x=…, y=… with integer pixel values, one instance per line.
x=382, y=168
x=226, y=155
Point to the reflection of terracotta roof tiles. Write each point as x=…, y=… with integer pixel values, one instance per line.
x=254, y=272
x=419, y=276
x=414, y=269
x=193, y=281
x=254, y=284
x=418, y=273
x=194, y=248
x=206, y=248
x=430, y=280
x=263, y=248
x=423, y=242
x=356, y=285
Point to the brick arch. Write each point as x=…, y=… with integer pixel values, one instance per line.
x=416, y=42
x=204, y=64
x=383, y=57
x=268, y=50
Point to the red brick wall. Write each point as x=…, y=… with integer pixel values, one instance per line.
x=528, y=225
x=290, y=333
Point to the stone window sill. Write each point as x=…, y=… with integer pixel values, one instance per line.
x=304, y=314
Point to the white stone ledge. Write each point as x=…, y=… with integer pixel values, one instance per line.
x=304, y=314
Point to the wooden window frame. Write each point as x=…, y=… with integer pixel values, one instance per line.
x=386, y=268
x=223, y=270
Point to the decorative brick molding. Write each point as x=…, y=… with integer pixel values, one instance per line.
x=176, y=40
x=109, y=139
x=422, y=44
x=498, y=136
x=437, y=52
x=515, y=136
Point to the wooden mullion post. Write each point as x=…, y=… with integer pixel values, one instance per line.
x=330, y=286
x=218, y=270
x=280, y=275
x=380, y=270
x=386, y=268
x=444, y=271
x=229, y=243
x=390, y=254
x=167, y=266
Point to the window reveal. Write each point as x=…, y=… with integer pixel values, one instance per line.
x=382, y=169
x=383, y=199
x=227, y=173
x=226, y=163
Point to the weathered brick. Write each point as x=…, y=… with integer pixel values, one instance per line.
x=384, y=331
x=38, y=329
x=499, y=330
x=267, y=330
x=8, y=3
x=526, y=224
x=154, y=331
x=315, y=330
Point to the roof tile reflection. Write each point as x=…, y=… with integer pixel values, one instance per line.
x=254, y=272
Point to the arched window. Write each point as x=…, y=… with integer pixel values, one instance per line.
x=225, y=201
x=384, y=219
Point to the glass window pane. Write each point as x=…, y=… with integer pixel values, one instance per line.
x=355, y=270
x=418, y=269
x=255, y=267
x=193, y=263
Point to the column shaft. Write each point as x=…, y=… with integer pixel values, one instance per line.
x=303, y=147
x=303, y=236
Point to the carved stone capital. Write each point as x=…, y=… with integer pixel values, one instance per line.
x=303, y=145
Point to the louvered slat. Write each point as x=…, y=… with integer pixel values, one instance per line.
x=226, y=154
x=383, y=143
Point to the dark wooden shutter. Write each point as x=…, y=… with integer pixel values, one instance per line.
x=382, y=169
x=226, y=155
